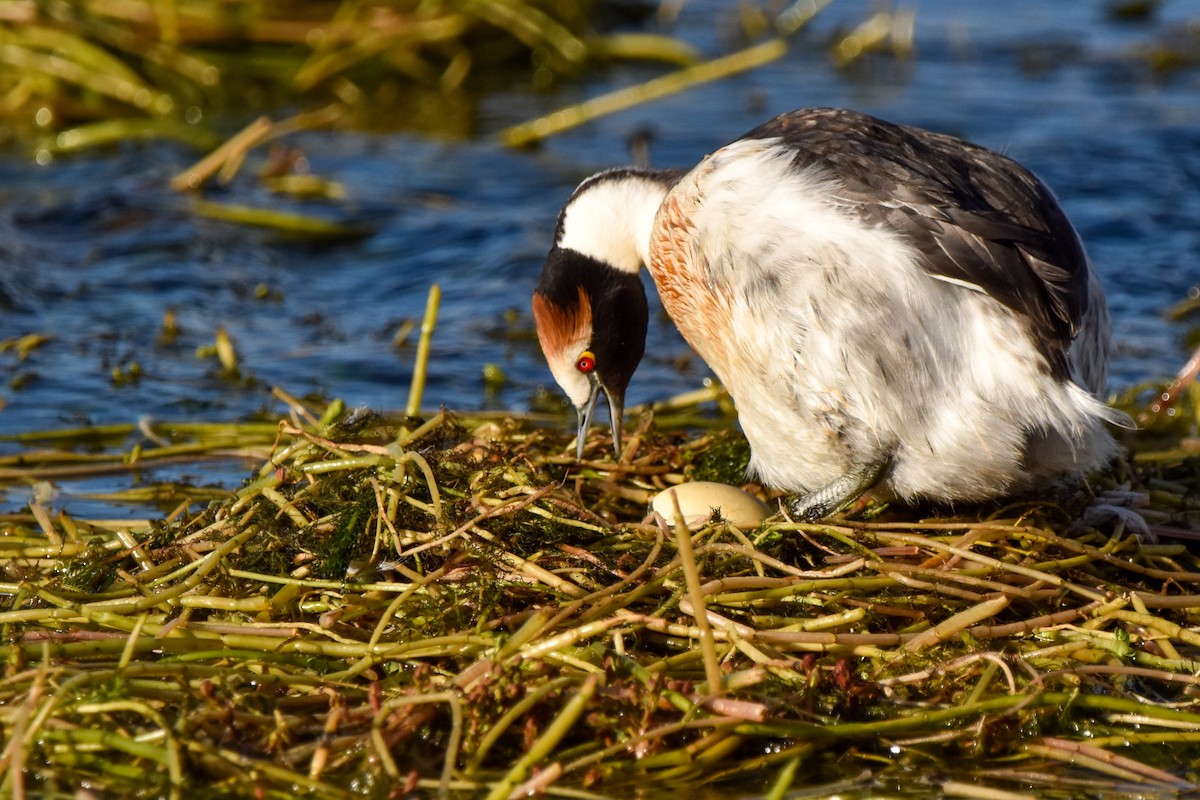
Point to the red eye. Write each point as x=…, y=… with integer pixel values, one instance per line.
x=586, y=362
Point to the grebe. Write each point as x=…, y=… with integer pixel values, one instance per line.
x=888, y=307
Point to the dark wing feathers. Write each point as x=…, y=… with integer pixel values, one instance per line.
x=974, y=215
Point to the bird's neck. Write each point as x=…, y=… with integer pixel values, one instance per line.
x=610, y=216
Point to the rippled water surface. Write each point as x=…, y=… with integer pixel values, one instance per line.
x=95, y=249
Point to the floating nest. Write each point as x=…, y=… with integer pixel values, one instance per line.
x=454, y=607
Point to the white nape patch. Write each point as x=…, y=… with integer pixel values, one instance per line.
x=610, y=220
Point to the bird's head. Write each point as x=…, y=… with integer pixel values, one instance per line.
x=590, y=307
x=591, y=322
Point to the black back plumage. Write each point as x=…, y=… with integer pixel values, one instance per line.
x=973, y=214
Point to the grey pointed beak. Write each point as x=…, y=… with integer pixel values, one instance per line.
x=585, y=419
x=616, y=407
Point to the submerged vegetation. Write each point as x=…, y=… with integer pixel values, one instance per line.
x=95, y=72
x=105, y=71
x=81, y=74
x=228, y=78
x=449, y=606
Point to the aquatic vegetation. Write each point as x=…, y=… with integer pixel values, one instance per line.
x=82, y=75
x=102, y=71
x=445, y=603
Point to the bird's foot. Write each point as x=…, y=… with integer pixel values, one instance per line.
x=836, y=494
x=1112, y=508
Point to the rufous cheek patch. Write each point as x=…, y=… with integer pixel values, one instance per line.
x=559, y=329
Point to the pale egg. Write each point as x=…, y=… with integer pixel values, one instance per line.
x=700, y=501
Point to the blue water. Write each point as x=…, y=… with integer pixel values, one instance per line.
x=94, y=249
